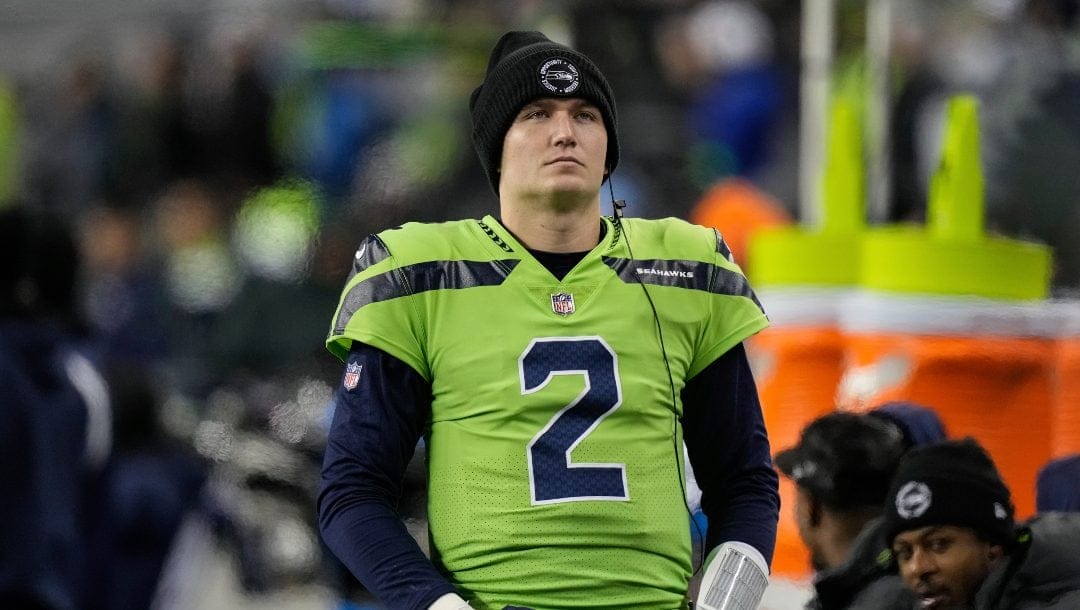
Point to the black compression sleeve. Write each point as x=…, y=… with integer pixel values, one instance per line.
x=375, y=430
x=729, y=451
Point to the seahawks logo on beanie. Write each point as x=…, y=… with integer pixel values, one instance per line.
x=559, y=76
x=913, y=500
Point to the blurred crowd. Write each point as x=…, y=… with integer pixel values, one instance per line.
x=214, y=168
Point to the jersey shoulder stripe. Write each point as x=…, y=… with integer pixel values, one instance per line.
x=418, y=257
x=693, y=275
x=418, y=278
x=674, y=252
x=370, y=253
x=722, y=248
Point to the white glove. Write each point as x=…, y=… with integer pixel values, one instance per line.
x=735, y=578
x=450, y=601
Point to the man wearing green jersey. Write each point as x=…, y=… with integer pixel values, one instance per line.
x=555, y=361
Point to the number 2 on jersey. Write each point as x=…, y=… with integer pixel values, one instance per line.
x=553, y=475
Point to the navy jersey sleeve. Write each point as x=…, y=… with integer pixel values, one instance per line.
x=375, y=429
x=729, y=450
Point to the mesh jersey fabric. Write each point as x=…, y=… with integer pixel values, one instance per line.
x=552, y=468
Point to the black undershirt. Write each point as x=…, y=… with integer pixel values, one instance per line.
x=560, y=263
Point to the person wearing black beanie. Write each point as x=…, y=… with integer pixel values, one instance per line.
x=525, y=66
x=949, y=521
x=561, y=366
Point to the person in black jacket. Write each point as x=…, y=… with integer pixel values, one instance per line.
x=949, y=522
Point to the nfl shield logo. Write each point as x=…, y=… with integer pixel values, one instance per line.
x=562, y=303
x=352, y=375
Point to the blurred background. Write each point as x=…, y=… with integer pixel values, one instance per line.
x=218, y=161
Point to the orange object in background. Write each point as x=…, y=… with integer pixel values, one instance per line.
x=989, y=376
x=1066, y=403
x=797, y=366
x=738, y=209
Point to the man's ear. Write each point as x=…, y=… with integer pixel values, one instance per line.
x=994, y=552
x=814, y=510
x=808, y=508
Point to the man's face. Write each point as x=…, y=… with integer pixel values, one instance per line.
x=944, y=565
x=554, y=147
x=806, y=518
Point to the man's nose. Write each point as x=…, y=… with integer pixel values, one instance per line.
x=922, y=562
x=563, y=129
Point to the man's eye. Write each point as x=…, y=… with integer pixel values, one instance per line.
x=939, y=545
x=902, y=554
x=587, y=116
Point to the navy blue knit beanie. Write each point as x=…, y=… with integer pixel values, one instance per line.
x=525, y=66
x=920, y=425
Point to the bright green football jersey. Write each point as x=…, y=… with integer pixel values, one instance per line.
x=555, y=463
